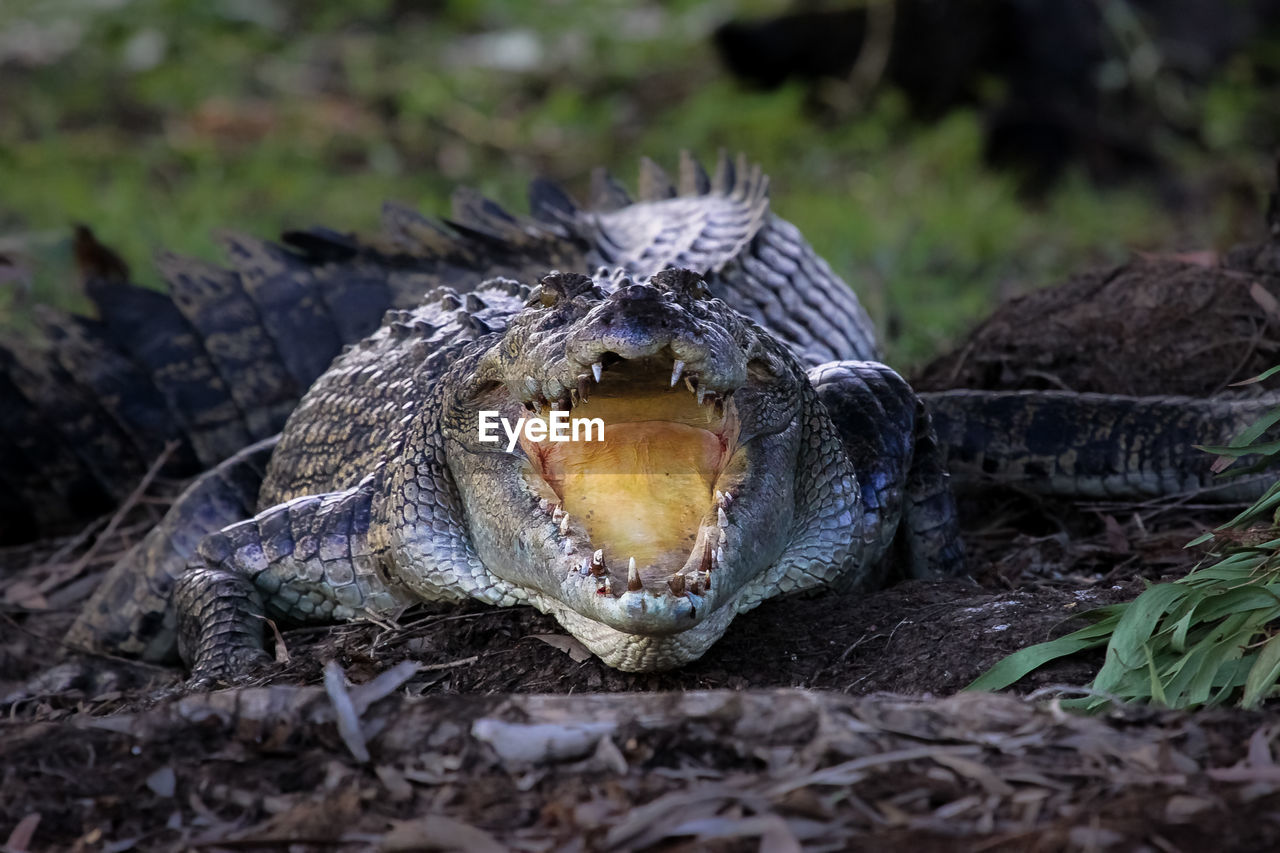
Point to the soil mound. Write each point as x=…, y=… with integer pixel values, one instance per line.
x=1183, y=324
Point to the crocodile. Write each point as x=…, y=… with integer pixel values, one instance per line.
x=795, y=460
x=717, y=480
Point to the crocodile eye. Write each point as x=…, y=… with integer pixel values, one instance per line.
x=700, y=290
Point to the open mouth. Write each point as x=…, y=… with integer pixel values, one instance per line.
x=651, y=496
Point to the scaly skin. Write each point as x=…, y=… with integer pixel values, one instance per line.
x=380, y=494
x=1097, y=446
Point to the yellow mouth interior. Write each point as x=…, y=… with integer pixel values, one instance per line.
x=643, y=491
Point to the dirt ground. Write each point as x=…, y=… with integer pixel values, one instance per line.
x=812, y=725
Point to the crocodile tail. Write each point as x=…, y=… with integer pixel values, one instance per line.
x=220, y=359
x=1094, y=445
x=83, y=417
x=129, y=611
x=48, y=480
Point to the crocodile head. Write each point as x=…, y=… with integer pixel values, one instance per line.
x=684, y=495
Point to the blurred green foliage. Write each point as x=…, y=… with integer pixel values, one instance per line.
x=159, y=121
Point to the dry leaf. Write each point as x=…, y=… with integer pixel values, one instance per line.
x=569, y=645
x=163, y=782
x=1117, y=540
x=393, y=780
x=335, y=684
x=437, y=832
x=26, y=595
x=20, y=838
x=1182, y=808
x=1265, y=300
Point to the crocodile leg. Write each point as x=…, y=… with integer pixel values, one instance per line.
x=308, y=560
x=887, y=434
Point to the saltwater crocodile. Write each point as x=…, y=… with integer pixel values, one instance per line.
x=720, y=481
x=808, y=480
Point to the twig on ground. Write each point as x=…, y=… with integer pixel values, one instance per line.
x=125, y=508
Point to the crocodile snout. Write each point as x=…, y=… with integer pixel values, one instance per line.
x=638, y=321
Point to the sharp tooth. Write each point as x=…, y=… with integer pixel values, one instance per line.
x=608, y=586
x=596, y=370
x=633, y=576
x=724, y=536
x=585, y=568
x=597, y=563
x=564, y=524
x=532, y=385
x=688, y=383
x=728, y=498
x=722, y=520
x=556, y=513
x=702, y=394
x=676, y=585
x=713, y=558
x=544, y=504
x=676, y=370
x=720, y=498
x=719, y=556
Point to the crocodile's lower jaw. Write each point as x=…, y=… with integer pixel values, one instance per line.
x=632, y=652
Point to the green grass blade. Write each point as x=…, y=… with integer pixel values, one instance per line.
x=1015, y=666
x=1132, y=632
x=1157, y=689
x=1235, y=451
x=1260, y=426
x=1263, y=674
x=1261, y=377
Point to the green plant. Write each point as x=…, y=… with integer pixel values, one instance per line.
x=1210, y=638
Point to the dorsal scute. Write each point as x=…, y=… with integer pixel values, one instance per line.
x=693, y=178
x=653, y=184
x=606, y=193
